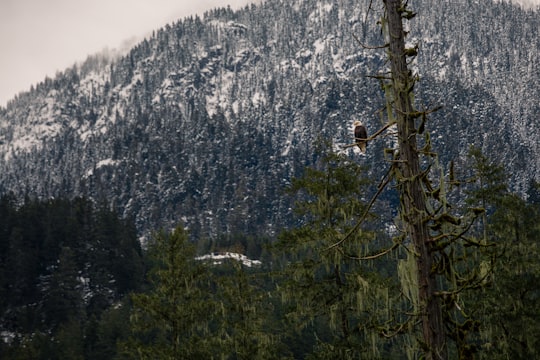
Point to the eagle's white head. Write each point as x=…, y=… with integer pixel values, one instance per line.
x=357, y=123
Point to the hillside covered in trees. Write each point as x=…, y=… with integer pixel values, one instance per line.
x=63, y=265
x=281, y=247
x=205, y=121
x=75, y=283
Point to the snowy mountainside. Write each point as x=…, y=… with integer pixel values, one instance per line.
x=206, y=121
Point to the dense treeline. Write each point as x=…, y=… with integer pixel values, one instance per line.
x=67, y=266
x=342, y=283
x=229, y=103
x=316, y=297
x=63, y=264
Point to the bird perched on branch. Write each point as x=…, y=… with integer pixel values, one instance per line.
x=360, y=135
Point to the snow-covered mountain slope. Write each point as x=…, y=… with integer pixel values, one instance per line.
x=207, y=120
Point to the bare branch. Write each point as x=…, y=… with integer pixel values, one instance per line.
x=382, y=185
x=372, y=137
x=367, y=46
x=375, y=256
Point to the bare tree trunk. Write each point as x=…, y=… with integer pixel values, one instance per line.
x=413, y=199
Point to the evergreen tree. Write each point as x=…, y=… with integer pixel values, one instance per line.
x=104, y=334
x=329, y=287
x=171, y=320
x=486, y=187
x=409, y=178
x=437, y=269
x=245, y=309
x=509, y=306
x=512, y=306
x=68, y=342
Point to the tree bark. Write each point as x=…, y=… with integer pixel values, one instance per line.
x=412, y=196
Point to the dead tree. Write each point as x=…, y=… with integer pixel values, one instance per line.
x=414, y=210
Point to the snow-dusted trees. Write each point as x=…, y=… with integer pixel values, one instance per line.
x=193, y=311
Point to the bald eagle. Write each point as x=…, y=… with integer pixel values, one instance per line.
x=360, y=135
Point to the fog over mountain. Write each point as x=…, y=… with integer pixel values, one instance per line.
x=39, y=38
x=205, y=122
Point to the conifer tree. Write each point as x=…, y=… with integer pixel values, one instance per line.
x=510, y=304
x=64, y=302
x=170, y=320
x=327, y=290
x=243, y=317
x=437, y=270
x=409, y=177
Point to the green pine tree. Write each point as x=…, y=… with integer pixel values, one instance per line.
x=327, y=285
x=244, y=315
x=171, y=320
x=510, y=306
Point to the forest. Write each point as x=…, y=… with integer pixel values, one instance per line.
x=429, y=257
x=209, y=117
x=76, y=283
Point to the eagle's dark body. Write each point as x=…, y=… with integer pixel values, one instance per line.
x=360, y=136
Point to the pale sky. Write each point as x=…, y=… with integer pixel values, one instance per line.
x=40, y=37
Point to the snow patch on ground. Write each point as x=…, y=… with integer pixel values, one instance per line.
x=218, y=258
x=319, y=46
x=43, y=123
x=7, y=336
x=100, y=164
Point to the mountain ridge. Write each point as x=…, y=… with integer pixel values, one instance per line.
x=207, y=121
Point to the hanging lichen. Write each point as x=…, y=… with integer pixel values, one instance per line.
x=441, y=260
x=407, y=272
